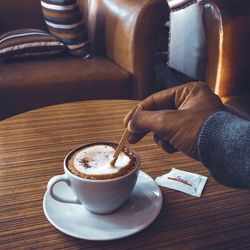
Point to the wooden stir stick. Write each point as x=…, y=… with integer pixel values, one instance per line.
x=122, y=141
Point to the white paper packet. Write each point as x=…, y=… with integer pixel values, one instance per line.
x=183, y=181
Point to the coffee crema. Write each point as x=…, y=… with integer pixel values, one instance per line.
x=93, y=161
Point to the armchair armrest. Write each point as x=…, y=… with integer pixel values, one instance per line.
x=227, y=27
x=126, y=32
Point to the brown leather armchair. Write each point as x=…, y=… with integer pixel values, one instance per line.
x=123, y=35
x=210, y=41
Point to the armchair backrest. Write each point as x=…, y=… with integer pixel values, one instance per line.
x=21, y=14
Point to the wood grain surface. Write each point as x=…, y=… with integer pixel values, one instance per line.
x=32, y=148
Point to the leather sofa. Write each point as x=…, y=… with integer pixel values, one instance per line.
x=123, y=35
x=210, y=41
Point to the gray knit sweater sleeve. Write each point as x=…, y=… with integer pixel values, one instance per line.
x=224, y=148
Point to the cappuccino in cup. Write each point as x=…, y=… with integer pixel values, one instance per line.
x=94, y=162
x=97, y=184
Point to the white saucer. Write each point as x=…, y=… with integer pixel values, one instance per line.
x=137, y=213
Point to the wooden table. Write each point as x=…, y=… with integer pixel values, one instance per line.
x=32, y=149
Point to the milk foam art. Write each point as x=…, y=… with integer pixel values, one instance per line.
x=96, y=160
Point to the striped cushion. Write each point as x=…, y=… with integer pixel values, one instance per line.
x=64, y=20
x=26, y=43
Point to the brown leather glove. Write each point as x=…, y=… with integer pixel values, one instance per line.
x=175, y=116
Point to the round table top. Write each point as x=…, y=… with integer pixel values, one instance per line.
x=33, y=146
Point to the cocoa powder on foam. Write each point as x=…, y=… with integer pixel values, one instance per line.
x=122, y=171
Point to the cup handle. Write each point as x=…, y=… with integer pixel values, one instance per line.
x=50, y=187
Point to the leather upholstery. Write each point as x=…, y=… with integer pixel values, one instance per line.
x=126, y=31
x=219, y=49
x=21, y=14
x=58, y=80
x=230, y=43
x=123, y=35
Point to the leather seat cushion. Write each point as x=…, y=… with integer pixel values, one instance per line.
x=36, y=83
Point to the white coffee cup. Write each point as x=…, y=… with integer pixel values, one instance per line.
x=98, y=196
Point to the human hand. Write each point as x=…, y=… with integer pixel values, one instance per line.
x=175, y=116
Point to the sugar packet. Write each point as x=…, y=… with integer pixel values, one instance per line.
x=183, y=181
